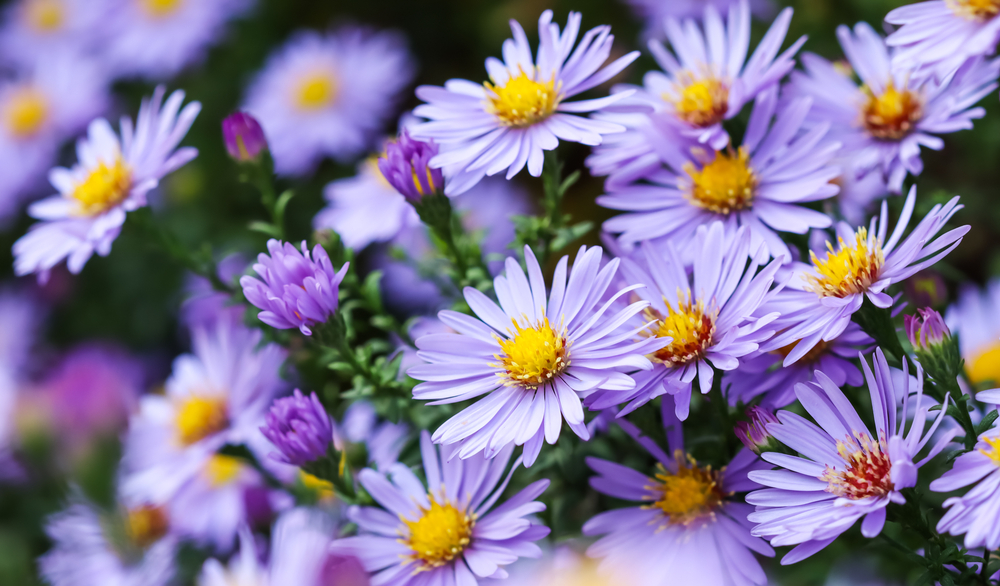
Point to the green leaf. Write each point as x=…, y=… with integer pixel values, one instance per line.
x=265, y=228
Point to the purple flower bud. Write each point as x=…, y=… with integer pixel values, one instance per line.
x=300, y=428
x=244, y=137
x=405, y=165
x=754, y=433
x=298, y=290
x=927, y=330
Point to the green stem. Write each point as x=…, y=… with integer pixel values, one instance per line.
x=552, y=182
x=877, y=323
x=722, y=410
x=984, y=574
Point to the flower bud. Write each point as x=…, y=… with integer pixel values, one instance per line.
x=754, y=433
x=300, y=428
x=926, y=331
x=406, y=166
x=244, y=137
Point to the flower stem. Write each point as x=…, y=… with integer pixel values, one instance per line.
x=877, y=323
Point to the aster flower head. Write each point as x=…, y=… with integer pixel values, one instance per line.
x=706, y=317
x=406, y=166
x=884, y=121
x=975, y=319
x=972, y=513
x=34, y=29
x=937, y=37
x=328, y=95
x=300, y=428
x=689, y=523
x=844, y=471
x=819, y=300
x=451, y=531
x=535, y=356
x=509, y=121
x=296, y=289
x=244, y=138
x=757, y=185
x=111, y=178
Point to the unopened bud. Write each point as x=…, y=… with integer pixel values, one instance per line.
x=244, y=137
x=754, y=434
x=406, y=166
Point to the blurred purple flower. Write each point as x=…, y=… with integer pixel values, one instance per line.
x=937, y=37
x=243, y=136
x=34, y=30
x=300, y=428
x=405, y=165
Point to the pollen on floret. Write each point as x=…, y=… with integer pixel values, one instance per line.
x=522, y=101
x=689, y=494
x=993, y=452
x=199, y=417
x=725, y=185
x=145, y=525
x=161, y=8
x=45, y=15
x=105, y=187
x=986, y=366
x=691, y=328
x=441, y=534
x=849, y=270
x=316, y=91
x=25, y=112
x=700, y=101
x=868, y=472
x=974, y=9
x=893, y=114
x=533, y=356
x=221, y=470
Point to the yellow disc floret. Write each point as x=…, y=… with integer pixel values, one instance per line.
x=533, y=355
x=893, y=114
x=975, y=9
x=199, y=417
x=690, y=327
x=45, y=15
x=725, y=185
x=316, y=91
x=993, y=451
x=522, y=101
x=146, y=525
x=161, y=8
x=25, y=112
x=104, y=188
x=700, y=101
x=442, y=533
x=985, y=368
x=689, y=494
x=221, y=470
x=849, y=270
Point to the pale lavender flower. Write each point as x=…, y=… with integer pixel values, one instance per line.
x=655, y=12
x=689, y=528
x=244, y=138
x=844, y=471
x=819, y=300
x=111, y=178
x=328, y=95
x=511, y=120
x=858, y=195
x=974, y=513
x=383, y=440
x=449, y=532
x=535, y=356
x=295, y=288
x=706, y=318
x=37, y=29
x=883, y=122
x=938, y=37
x=759, y=185
x=300, y=428
x=975, y=319
x=405, y=165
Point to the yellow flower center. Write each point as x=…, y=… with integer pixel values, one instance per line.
x=893, y=114
x=868, y=469
x=849, y=270
x=316, y=91
x=221, y=470
x=725, y=185
x=161, y=8
x=974, y=9
x=146, y=525
x=993, y=452
x=104, y=188
x=986, y=367
x=323, y=489
x=689, y=494
x=25, y=112
x=691, y=329
x=45, y=15
x=700, y=101
x=200, y=417
x=811, y=356
x=440, y=534
x=522, y=101
x=533, y=356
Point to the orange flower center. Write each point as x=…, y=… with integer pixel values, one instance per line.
x=699, y=101
x=893, y=114
x=725, y=185
x=689, y=494
x=868, y=469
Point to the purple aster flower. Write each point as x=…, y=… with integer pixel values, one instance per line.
x=844, y=471
x=244, y=137
x=706, y=318
x=448, y=532
x=858, y=195
x=405, y=165
x=819, y=300
x=975, y=319
x=927, y=330
x=328, y=95
x=112, y=177
x=689, y=523
x=938, y=37
x=758, y=185
x=973, y=514
x=535, y=356
x=884, y=121
x=764, y=375
x=296, y=289
x=511, y=120
x=300, y=428
x=383, y=440
x=37, y=29
x=157, y=39
x=655, y=12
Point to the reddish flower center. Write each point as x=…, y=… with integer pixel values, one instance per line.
x=974, y=9
x=868, y=469
x=690, y=328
